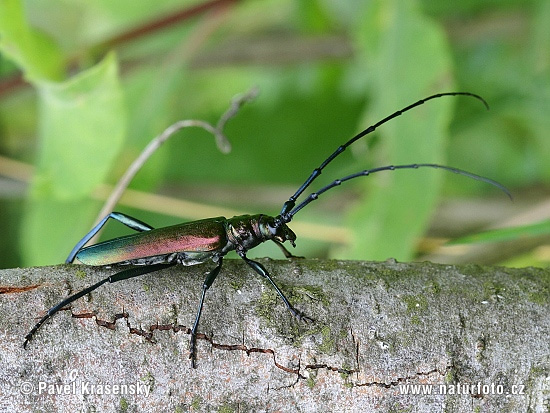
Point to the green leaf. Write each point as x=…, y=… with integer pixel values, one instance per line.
x=407, y=58
x=83, y=125
x=82, y=129
x=37, y=56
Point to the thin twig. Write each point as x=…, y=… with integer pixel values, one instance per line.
x=221, y=142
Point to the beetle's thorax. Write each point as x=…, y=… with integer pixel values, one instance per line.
x=248, y=231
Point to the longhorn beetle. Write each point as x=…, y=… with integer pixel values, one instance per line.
x=196, y=242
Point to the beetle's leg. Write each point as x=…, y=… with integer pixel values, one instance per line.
x=287, y=253
x=122, y=275
x=260, y=269
x=205, y=286
x=127, y=220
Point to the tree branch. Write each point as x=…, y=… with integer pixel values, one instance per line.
x=379, y=327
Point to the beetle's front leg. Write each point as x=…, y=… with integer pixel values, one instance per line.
x=287, y=253
x=260, y=269
x=205, y=286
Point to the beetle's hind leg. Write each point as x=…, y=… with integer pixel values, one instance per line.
x=260, y=269
x=127, y=220
x=119, y=276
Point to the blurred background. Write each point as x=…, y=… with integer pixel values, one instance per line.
x=86, y=84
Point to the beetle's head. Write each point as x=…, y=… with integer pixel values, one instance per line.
x=279, y=231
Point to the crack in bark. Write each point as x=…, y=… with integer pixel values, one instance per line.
x=355, y=341
x=251, y=350
x=111, y=325
x=148, y=335
x=401, y=380
x=330, y=368
x=11, y=290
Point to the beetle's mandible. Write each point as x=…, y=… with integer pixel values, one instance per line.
x=196, y=242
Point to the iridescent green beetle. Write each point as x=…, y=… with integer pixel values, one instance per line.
x=196, y=242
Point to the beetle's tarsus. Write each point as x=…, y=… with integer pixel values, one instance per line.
x=301, y=316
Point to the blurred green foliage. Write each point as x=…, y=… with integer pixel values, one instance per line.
x=325, y=70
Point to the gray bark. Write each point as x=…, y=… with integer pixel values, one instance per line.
x=379, y=329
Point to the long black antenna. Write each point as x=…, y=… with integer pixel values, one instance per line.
x=289, y=205
x=314, y=195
